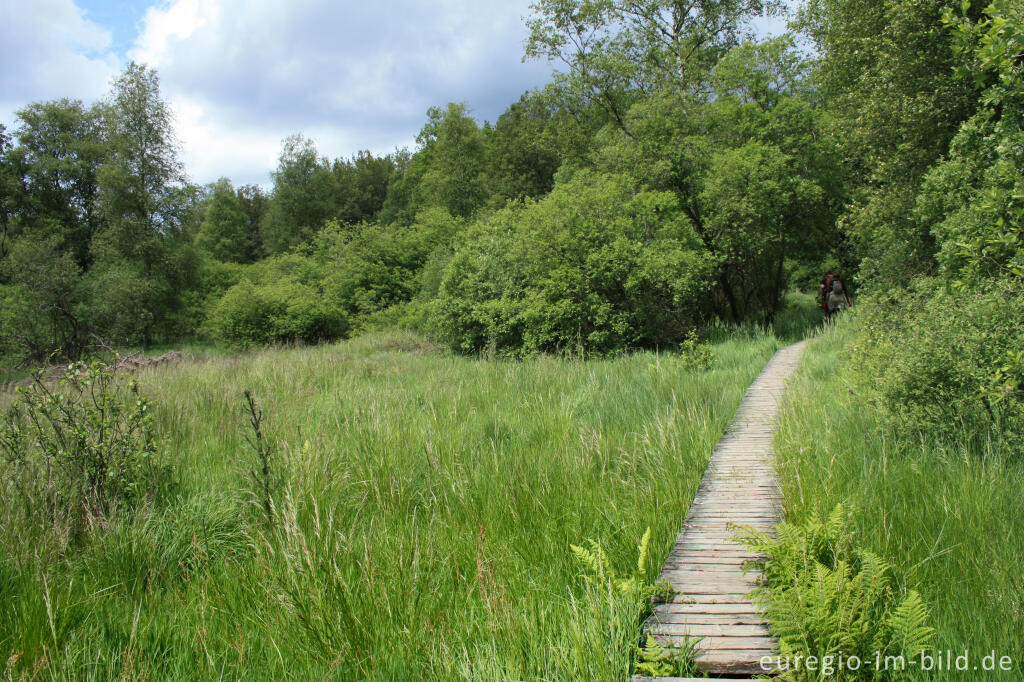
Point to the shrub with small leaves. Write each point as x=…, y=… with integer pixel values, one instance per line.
x=945, y=364
x=695, y=353
x=79, y=448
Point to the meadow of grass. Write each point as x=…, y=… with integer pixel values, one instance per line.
x=950, y=521
x=423, y=516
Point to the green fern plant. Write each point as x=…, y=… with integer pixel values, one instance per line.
x=640, y=591
x=826, y=597
x=654, y=660
x=598, y=570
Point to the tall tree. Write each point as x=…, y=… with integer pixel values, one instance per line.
x=760, y=212
x=886, y=74
x=144, y=260
x=523, y=149
x=448, y=170
x=615, y=51
x=225, y=231
x=8, y=187
x=452, y=160
x=142, y=181
x=304, y=197
x=362, y=185
x=61, y=146
x=254, y=204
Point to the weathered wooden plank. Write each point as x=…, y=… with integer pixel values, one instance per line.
x=710, y=551
x=716, y=593
x=688, y=618
x=723, y=598
x=748, y=649
x=715, y=558
x=733, y=551
x=714, y=630
x=699, y=570
x=696, y=608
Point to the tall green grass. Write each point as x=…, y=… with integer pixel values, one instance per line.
x=950, y=521
x=422, y=531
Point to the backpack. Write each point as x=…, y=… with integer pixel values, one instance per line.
x=837, y=299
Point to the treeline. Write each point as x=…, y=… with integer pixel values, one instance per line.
x=656, y=183
x=670, y=174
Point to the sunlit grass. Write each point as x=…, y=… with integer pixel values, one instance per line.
x=951, y=522
x=423, y=531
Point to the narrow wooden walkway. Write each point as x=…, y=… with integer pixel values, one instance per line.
x=706, y=564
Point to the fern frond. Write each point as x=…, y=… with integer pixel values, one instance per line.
x=591, y=562
x=836, y=522
x=908, y=627
x=643, y=553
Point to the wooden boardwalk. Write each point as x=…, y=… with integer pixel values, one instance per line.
x=706, y=564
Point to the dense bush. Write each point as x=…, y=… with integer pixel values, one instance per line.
x=594, y=266
x=252, y=314
x=371, y=267
x=41, y=299
x=947, y=363
x=278, y=300
x=943, y=354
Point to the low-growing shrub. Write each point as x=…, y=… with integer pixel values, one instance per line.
x=77, y=450
x=696, y=354
x=253, y=314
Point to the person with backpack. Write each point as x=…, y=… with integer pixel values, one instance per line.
x=825, y=289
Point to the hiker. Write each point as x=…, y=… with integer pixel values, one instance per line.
x=824, y=289
x=837, y=298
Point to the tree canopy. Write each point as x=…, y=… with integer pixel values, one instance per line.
x=674, y=172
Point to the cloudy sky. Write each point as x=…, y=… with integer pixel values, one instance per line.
x=241, y=75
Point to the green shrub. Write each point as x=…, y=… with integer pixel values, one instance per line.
x=253, y=314
x=946, y=364
x=413, y=316
x=595, y=266
x=41, y=302
x=371, y=267
x=79, y=449
x=214, y=278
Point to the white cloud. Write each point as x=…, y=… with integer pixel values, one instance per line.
x=50, y=50
x=211, y=151
x=244, y=74
x=241, y=75
x=163, y=27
